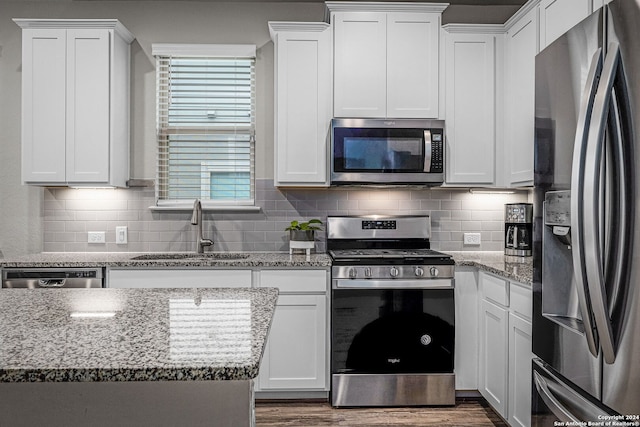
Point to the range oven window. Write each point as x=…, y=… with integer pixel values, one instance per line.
x=379, y=150
x=392, y=331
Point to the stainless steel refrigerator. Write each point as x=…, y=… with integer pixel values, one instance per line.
x=586, y=324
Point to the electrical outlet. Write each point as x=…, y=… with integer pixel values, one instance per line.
x=96, y=237
x=121, y=235
x=471, y=238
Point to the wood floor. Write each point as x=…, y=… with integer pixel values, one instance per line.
x=466, y=413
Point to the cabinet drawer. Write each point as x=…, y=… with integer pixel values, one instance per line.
x=169, y=278
x=495, y=289
x=295, y=280
x=520, y=300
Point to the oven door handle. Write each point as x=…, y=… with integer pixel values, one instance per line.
x=393, y=284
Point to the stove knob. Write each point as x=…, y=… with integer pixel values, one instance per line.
x=394, y=272
x=434, y=272
x=419, y=271
x=353, y=273
x=367, y=272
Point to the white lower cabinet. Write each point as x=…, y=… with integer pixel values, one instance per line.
x=494, y=355
x=296, y=354
x=176, y=278
x=466, y=342
x=505, y=348
x=520, y=355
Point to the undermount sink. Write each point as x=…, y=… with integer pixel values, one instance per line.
x=178, y=256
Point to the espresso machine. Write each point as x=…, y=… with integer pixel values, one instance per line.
x=518, y=229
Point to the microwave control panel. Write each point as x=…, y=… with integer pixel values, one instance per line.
x=437, y=151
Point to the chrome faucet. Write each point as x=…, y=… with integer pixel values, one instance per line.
x=196, y=219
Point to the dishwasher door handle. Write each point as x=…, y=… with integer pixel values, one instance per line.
x=51, y=283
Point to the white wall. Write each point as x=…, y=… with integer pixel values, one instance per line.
x=21, y=207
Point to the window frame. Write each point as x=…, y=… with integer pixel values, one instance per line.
x=217, y=51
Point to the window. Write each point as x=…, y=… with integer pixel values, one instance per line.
x=205, y=124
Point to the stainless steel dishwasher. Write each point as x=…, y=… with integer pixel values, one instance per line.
x=33, y=278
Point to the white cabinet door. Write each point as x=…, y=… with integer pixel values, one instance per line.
x=467, y=329
x=88, y=96
x=522, y=47
x=360, y=58
x=294, y=356
x=470, y=108
x=520, y=355
x=412, y=65
x=494, y=368
x=303, y=103
x=559, y=16
x=43, y=105
x=167, y=278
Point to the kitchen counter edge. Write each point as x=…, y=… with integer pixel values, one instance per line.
x=126, y=260
x=518, y=269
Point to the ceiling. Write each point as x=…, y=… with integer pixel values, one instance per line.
x=459, y=11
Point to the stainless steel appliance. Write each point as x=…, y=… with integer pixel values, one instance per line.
x=34, y=278
x=392, y=313
x=518, y=229
x=387, y=151
x=586, y=323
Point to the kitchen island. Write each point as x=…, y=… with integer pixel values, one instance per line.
x=131, y=356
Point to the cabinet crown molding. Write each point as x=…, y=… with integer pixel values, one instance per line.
x=531, y=4
x=350, y=6
x=474, y=28
x=310, y=27
x=108, y=24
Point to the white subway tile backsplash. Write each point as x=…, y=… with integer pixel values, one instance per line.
x=70, y=213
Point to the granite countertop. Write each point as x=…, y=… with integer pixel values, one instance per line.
x=515, y=268
x=167, y=259
x=49, y=335
x=519, y=269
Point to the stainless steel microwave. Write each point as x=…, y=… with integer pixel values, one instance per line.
x=387, y=151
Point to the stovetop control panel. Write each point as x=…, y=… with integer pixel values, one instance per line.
x=414, y=272
x=379, y=225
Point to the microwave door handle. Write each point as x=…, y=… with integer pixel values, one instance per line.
x=427, y=151
x=577, y=201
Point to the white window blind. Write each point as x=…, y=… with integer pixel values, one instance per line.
x=206, y=124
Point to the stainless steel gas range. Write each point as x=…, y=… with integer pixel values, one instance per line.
x=392, y=313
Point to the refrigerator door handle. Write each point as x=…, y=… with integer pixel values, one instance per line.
x=577, y=200
x=565, y=403
x=592, y=198
x=549, y=399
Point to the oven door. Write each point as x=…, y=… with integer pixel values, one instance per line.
x=392, y=346
x=368, y=152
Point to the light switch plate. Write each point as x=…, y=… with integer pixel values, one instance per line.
x=96, y=237
x=121, y=235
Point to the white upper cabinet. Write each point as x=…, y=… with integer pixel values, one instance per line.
x=386, y=59
x=75, y=103
x=470, y=94
x=412, y=64
x=559, y=16
x=360, y=79
x=521, y=49
x=303, y=107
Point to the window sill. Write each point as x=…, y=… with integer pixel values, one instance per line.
x=246, y=209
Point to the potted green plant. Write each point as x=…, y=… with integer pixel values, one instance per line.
x=302, y=235
x=303, y=231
